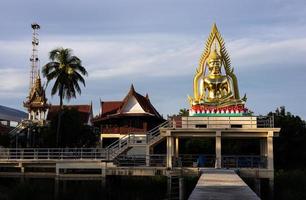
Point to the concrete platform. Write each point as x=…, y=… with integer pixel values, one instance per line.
x=219, y=184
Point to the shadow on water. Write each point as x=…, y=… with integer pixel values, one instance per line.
x=111, y=188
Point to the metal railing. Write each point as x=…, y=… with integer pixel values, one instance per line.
x=244, y=161
x=153, y=160
x=195, y=160
x=155, y=132
x=124, y=143
x=52, y=154
x=156, y=160
x=222, y=122
x=18, y=129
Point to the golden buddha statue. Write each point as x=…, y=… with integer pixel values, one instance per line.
x=214, y=91
x=216, y=87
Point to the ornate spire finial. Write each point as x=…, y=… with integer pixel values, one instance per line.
x=214, y=28
x=132, y=88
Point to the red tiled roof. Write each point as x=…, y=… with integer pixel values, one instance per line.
x=85, y=111
x=110, y=107
x=114, y=108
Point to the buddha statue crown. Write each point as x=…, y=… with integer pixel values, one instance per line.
x=214, y=55
x=214, y=93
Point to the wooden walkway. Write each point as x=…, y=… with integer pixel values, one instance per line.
x=215, y=184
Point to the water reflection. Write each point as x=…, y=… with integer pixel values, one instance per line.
x=111, y=188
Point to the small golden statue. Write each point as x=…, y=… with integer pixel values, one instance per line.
x=214, y=92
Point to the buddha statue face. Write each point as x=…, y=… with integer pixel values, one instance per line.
x=214, y=63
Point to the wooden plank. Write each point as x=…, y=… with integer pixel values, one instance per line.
x=221, y=184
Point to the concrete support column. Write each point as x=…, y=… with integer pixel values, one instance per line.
x=270, y=164
x=181, y=189
x=170, y=151
x=271, y=188
x=57, y=170
x=257, y=186
x=149, y=151
x=263, y=147
x=56, y=188
x=218, y=150
x=176, y=147
x=101, y=141
x=174, y=123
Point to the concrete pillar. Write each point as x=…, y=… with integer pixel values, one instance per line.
x=218, y=150
x=263, y=147
x=101, y=141
x=174, y=123
x=271, y=188
x=257, y=186
x=270, y=162
x=176, y=147
x=22, y=170
x=169, y=187
x=181, y=189
x=56, y=188
x=57, y=170
x=149, y=151
x=103, y=171
x=170, y=151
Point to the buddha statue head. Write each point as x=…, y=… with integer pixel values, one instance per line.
x=214, y=63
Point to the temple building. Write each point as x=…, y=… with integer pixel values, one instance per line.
x=36, y=102
x=219, y=115
x=85, y=110
x=134, y=114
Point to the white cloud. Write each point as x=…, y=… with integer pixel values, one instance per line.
x=145, y=57
x=252, y=52
x=12, y=80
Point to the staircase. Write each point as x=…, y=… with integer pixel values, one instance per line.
x=125, y=143
x=118, y=147
x=154, y=135
x=19, y=128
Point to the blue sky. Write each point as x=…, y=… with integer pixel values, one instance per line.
x=157, y=45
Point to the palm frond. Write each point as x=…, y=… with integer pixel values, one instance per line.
x=66, y=84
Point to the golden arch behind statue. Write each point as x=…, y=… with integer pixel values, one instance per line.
x=198, y=90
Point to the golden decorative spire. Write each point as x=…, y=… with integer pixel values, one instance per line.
x=37, y=97
x=212, y=60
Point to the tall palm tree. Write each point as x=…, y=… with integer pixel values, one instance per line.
x=67, y=71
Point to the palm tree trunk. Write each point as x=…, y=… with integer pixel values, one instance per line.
x=59, y=119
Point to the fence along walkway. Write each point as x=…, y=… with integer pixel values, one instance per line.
x=52, y=154
x=216, y=184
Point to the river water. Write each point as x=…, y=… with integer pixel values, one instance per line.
x=111, y=188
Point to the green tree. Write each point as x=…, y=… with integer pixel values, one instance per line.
x=75, y=133
x=289, y=147
x=67, y=72
x=183, y=112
